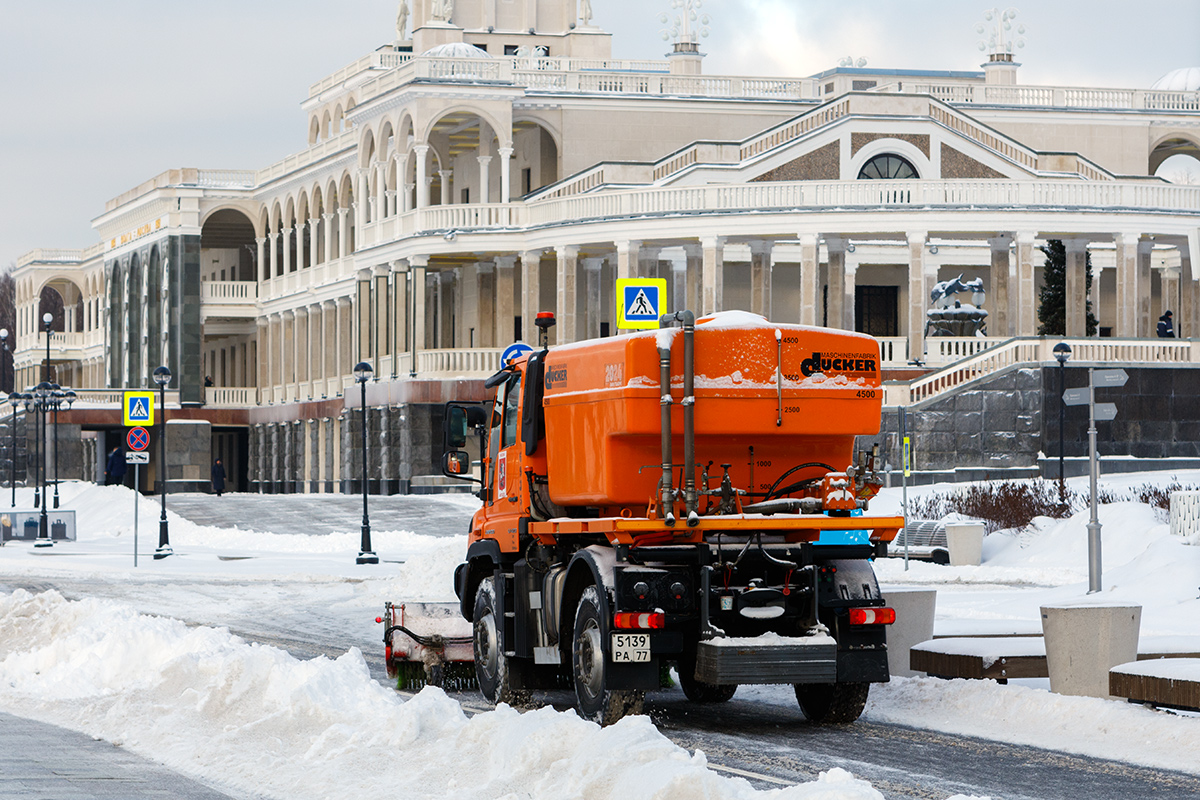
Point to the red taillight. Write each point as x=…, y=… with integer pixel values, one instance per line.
x=644, y=621
x=872, y=616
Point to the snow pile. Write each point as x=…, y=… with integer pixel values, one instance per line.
x=259, y=721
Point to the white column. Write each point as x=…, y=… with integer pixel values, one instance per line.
x=849, y=322
x=505, y=299
x=362, y=194
x=300, y=350
x=343, y=363
x=531, y=294
x=445, y=174
x=694, y=269
x=810, y=276
x=918, y=294
x=262, y=267
x=997, y=305
x=760, y=277
x=679, y=284
x=327, y=222
x=505, y=173
x=1128, y=311
x=422, y=152
x=287, y=249
x=314, y=239
x=564, y=310
x=627, y=256
x=713, y=275
x=1076, y=288
x=343, y=232
x=416, y=267
x=380, y=193
x=591, y=271
x=1147, y=324
x=1026, y=285
x=485, y=177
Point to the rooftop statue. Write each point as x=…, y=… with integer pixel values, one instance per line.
x=402, y=21
x=585, y=12
x=442, y=10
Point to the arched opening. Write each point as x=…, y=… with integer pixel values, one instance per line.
x=1182, y=165
x=227, y=247
x=887, y=166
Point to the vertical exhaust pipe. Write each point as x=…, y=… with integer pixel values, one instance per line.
x=666, y=490
x=690, y=498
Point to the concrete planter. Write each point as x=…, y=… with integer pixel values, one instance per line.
x=913, y=625
x=1084, y=641
x=964, y=540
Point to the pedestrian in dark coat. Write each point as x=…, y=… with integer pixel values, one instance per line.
x=114, y=469
x=1166, y=330
x=218, y=477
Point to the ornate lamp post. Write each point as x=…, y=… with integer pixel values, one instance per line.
x=31, y=409
x=362, y=374
x=1062, y=351
x=60, y=397
x=43, y=391
x=14, y=400
x=162, y=376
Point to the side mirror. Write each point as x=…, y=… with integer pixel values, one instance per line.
x=456, y=464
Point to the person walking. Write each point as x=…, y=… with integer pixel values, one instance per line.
x=1166, y=330
x=114, y=469
x=218, y=477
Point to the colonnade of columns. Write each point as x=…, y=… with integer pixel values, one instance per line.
x=307, y=243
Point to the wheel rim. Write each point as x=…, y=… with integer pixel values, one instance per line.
x=485, y=638
x=589, y=659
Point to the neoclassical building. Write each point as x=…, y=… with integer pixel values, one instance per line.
x=495, y=161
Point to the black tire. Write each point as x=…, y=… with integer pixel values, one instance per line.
x=493, y=669
x=589, y=666
x=700, y=692
x=832, y=703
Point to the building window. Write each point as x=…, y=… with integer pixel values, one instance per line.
x=877, y=310
x=862, y=86
x=887, y=167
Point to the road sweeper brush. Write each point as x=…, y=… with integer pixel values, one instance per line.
x=428, y=644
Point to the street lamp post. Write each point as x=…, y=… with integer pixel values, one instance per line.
x=44, y=392
x=14, y=400
x=362, y=374
x=1062, y=351
x=4, y=343
x=60, y=397
x=162, y=376
x=31, y=408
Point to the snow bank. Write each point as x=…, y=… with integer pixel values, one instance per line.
x=256, y=720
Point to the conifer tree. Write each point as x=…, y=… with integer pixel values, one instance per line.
x=1052, y=299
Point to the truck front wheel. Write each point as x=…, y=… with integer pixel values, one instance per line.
x=832, y=702
x=589, y=661
x=493, y=669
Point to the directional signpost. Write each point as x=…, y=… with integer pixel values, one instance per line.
x=1097, y=412
x=138, y=440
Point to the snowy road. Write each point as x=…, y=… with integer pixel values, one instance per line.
x=919, y=738
x=760, y=735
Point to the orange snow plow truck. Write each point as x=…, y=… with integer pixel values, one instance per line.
x=684, y=496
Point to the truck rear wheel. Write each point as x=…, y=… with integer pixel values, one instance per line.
x=589, y=663
x=493, y=669
x=826, y=703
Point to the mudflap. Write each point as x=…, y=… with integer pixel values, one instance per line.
x=635, y=676
x=862, y=666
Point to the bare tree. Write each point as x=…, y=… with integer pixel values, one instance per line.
x=8, y=321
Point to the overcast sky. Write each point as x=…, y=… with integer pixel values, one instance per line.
x=100, y=96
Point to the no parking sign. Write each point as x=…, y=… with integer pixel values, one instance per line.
x=138, y=439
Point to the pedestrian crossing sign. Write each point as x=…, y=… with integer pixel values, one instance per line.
x=138, y=408
x=640, y=302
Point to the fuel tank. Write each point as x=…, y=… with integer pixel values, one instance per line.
x=768, y=397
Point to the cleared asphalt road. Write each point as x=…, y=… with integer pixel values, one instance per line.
x=434, y=515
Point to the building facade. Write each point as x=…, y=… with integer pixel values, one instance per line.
x=496, y=161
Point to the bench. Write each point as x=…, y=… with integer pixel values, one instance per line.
x=1002, y=657
x=1165, y=682
x=926, y=542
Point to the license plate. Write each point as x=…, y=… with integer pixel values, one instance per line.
x=630, y=648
